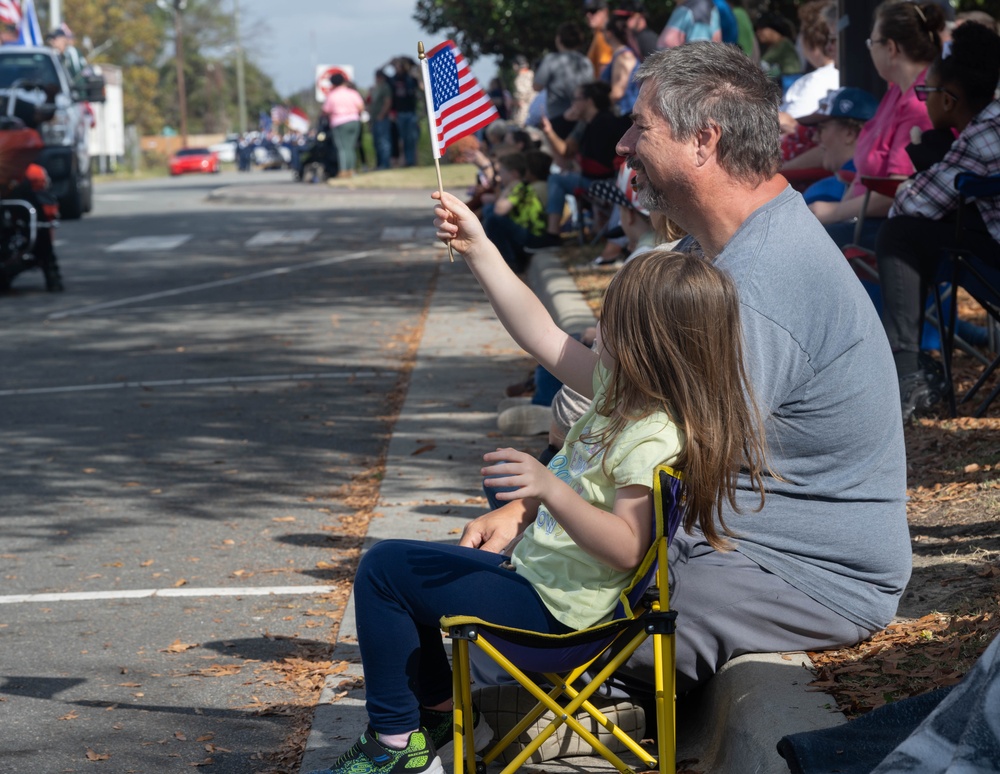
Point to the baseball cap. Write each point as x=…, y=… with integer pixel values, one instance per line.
x=594, y=5
x=848, y=102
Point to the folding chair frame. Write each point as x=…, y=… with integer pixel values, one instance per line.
x=652, y=617
x=969, y=186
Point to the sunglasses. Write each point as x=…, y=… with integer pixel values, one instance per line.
x=923, y=92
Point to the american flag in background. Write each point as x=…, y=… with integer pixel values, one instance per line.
x=458, y=106
x=10, y=12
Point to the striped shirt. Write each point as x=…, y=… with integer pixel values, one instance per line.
x=977, y=149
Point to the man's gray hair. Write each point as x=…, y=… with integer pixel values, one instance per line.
x=703, y=84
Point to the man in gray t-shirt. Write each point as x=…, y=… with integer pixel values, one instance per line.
x=824, y=562
x=560, y=73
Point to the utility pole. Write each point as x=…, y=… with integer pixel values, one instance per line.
x=55, y=13
x=179, y=56
x=176, y=6
x=241, y=86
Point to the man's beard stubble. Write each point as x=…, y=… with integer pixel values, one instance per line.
x=649, y=197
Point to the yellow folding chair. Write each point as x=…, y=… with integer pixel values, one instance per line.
x=562, y=659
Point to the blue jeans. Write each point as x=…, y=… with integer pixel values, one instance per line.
x=843, y=233
x=409, y=133
x=562, y=185
x=382, y=140
x=509, y=238
x=402, y=589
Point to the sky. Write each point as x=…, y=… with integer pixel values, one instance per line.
x=289, y=38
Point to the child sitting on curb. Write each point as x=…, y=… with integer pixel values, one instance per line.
x=519, y=211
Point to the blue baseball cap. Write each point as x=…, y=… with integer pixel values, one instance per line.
x=847, y=102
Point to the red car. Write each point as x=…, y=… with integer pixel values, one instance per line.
x=194, y=160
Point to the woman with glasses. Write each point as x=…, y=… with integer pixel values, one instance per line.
x=905, y=39
x=959, y=95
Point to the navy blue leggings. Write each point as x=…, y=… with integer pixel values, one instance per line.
x=402, y=589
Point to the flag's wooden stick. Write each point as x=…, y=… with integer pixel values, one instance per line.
x=432, y=129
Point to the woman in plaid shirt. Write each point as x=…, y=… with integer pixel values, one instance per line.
x=960, y=95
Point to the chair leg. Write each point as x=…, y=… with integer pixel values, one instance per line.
x=666, y=721
x=464, y=733
x=945, y=332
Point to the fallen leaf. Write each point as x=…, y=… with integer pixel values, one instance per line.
x=95, y=756
x=178, y=647
x=71, y=715
x=284, y=518
x=180, y=582
x=425, y=448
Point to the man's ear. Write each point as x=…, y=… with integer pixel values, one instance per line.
x=707, y=142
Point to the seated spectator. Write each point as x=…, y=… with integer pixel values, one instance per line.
x=775, y=33
x=591, y=145
x=803, y=97
x=838, y=122
x=905, y=39
x=960, y=96
x=519, y=211
x=691, y=20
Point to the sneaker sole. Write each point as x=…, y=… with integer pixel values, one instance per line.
x=505, y=705
x=482, y=734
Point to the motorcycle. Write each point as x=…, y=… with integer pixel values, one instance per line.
x=29, y=213
x=318, y=159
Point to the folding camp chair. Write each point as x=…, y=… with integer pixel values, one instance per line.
x=981, y=281
x=643, y=610
x=862, y=260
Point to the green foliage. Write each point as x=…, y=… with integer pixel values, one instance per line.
x=139, y=37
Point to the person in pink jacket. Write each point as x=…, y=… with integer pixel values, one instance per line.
x=905, y=39
x=343, y=107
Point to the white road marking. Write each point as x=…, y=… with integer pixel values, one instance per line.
x=145, y=244
x=300, y=236
x=234, y=380
x=207, y=285
x=407, y=233
x=88, y=596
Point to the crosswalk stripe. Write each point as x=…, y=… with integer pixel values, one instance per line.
x=406, y=233
x=149, y=243
x=299, y=236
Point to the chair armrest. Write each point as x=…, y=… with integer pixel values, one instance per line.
x=881, y=185
x=971, y=186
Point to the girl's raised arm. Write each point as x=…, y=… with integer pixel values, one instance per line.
x=516, y=306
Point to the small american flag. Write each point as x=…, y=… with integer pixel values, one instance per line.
x=457, y=106
x=10, y=12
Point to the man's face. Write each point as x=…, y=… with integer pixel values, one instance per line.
x=836, y=140
x=659, y=162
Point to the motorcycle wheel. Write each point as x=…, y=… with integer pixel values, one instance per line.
x=314, y=172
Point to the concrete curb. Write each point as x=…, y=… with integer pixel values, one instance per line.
x=731, y=726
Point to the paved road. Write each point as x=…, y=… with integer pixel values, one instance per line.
x=184, y=420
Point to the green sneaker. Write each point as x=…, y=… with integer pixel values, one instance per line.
x=369, y=756
x=441, y=731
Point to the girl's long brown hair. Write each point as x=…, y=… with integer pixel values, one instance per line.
x=672, y=323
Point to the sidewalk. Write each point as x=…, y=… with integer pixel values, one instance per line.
x=464, y=360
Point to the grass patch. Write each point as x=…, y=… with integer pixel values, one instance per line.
x=456, y=177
